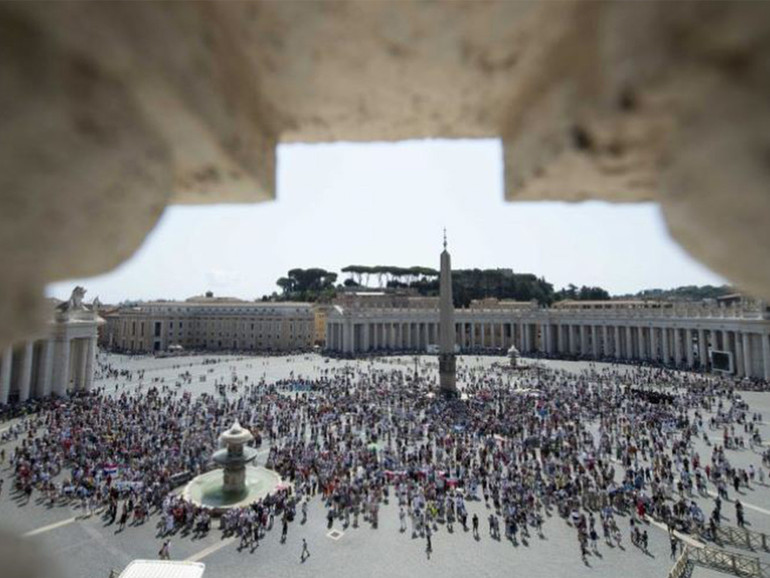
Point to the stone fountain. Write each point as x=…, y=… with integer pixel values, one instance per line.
x=234, y=457
x=237, y=483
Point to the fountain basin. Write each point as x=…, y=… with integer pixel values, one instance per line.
x=227, y=457
x=207, y=490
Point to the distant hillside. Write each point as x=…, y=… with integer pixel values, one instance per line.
x=685, y=293
x=467, y=284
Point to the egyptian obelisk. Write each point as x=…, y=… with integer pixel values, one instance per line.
x=446, y=357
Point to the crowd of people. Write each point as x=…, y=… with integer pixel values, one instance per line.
x=592, y=449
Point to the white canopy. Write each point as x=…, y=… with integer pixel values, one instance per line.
x=163, y=569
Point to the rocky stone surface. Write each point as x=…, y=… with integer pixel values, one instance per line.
x=111, y=111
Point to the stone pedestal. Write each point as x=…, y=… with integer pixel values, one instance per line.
x=234, y=479
x=447, y=369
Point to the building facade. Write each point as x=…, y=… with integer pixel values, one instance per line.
x=60, y=362
x=211, y=323
x=682, y=334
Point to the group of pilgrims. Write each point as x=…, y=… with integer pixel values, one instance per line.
x=521, y=449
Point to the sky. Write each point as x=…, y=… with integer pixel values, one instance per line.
x=387, y=204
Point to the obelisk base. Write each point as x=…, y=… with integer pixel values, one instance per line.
x=447, y=371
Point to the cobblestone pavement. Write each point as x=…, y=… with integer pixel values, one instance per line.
x=78, y=547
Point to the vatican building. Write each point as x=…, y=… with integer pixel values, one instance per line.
x=687, y=335
x=208, y=322
x=729, y=335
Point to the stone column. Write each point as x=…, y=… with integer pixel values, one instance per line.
x=75, y=366
x=5, y=374
x=616, y=346
x=83, y=360
x=703, y=354
x=746, y=343
x=46, y=365
x=61, y=366
x=765, y=354
x=25, y=375
x=605, y=341
x=349, y=337
x=594, y=341
x=688, y=348
x=740, y=369
x=640, y=343
x=629, y=343
x=675, y=345
x=462, y=336
x=90, y=362
x=664, y=344
x=583, y=340
x=654, y=343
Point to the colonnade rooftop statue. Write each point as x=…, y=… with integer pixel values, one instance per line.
x=447, y=362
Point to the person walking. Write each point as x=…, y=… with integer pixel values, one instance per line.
x=475, y=521
x=305, y=552
x=739, y=514
x=164, y=551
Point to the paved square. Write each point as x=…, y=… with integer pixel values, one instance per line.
x=367, y=421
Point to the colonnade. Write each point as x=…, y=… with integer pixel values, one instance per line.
x=39, y=368
x=680, y=346
x=676, y=344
